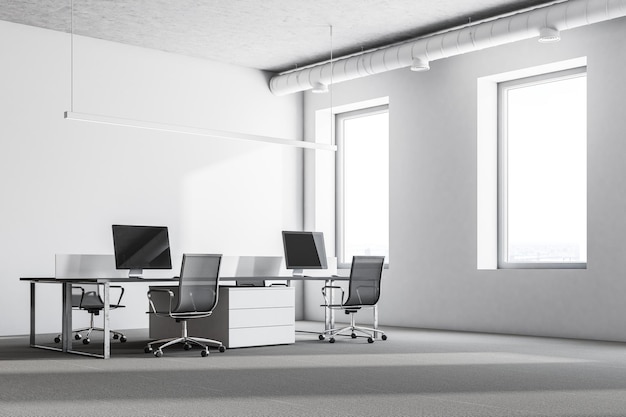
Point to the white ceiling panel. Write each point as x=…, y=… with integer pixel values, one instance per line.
x=273, y=35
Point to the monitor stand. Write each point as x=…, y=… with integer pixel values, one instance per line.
x=298, y=272
x=135, y=273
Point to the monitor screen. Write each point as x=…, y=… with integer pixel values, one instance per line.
x=141, y=247
x=304, y=250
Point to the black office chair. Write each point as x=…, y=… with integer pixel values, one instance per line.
x=197, y=297
x=87, y=298
x=363, y=291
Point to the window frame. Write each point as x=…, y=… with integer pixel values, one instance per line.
x=502, y=155
x=339, y=178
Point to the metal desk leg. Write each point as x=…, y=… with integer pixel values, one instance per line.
x=329, y=313
x=66, y=317
x=33, y=320
x=32, y=314
x=67, y=322
x=107, y=329
x=375, y=321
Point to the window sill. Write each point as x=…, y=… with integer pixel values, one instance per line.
x=546, y=265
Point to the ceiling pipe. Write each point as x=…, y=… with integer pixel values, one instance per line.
x=498, y=31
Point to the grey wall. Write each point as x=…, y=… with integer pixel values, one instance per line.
x=63, y=183
x=433, y=280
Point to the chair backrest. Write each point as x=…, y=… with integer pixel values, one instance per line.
x=87, y=297
x=198, y=285
x=365, y=276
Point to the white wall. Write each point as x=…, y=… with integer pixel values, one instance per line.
x=64, y=183
x=433, y=281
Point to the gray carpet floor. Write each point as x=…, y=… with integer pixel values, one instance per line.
x=414, y=373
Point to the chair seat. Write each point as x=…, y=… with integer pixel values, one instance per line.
x=342, y=306
x=184, y=315
x=96, y=309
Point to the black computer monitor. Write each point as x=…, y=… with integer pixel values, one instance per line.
x=141, y=247
x=304, y=250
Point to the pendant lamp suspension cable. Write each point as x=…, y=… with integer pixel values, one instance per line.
x=72, y=55
x=330, y=88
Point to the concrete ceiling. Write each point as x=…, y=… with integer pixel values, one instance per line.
x=272, y=35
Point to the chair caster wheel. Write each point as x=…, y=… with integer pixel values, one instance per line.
x=222, y=349
x=86, y=341
x=158, y=353
x=353, y=335
x=147, y=349
x=331, y=340
x=187, y=346
x=321, y=337
x=77, y=336
x=57, y=339
x=116, y=336
x=204, y=353
x=123, y=339
x=384, y=337
x=370, y=340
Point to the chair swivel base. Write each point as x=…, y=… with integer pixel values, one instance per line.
x=86, y=340
x=187, y=341
x=352, y=330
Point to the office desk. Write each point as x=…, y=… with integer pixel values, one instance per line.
x=244, y=316
x=66, y=315
x=329, y=313
x=66, y=324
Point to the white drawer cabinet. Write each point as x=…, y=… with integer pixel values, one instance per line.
x=244, y=316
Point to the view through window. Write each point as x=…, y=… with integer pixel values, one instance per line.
x=543, y=171
x=363, y=183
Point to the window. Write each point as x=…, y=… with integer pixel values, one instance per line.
x=362, y=217
x=542, y=190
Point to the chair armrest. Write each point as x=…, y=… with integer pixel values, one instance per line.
x=77, y=296
x=326, y=294
x=87, y=297
x=155, y=291
x=119, y=300
x=96, y=295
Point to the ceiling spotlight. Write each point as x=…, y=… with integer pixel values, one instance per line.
x=319, y=87
x=420, y=64
x=547, y=35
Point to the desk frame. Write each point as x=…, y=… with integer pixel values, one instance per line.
x=66, y=313
x=33, y=329
x=66, y=316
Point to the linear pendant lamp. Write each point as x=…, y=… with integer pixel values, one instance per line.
x=140, y=124
x=116, y=121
